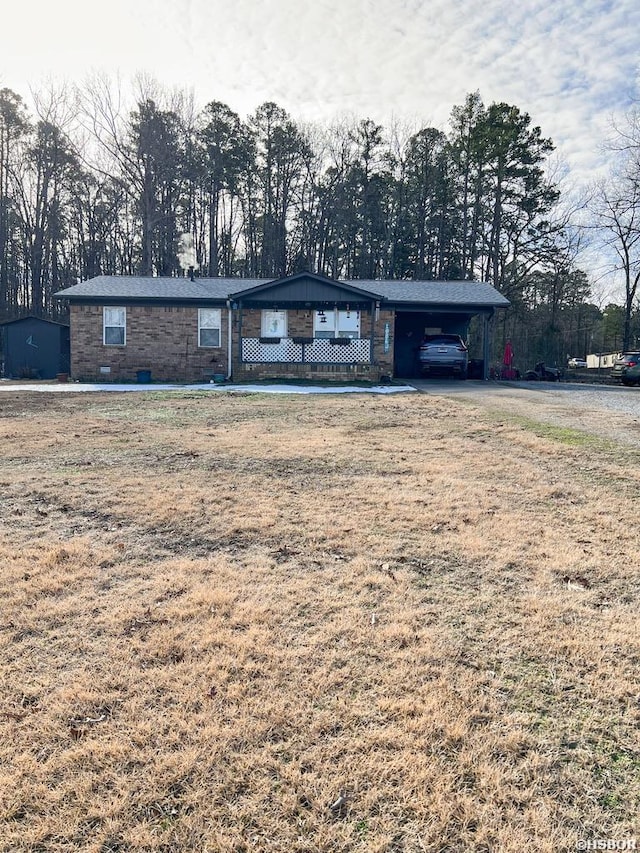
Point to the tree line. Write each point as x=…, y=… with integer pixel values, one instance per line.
x=89, y=187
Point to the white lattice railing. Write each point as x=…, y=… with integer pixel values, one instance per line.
x=286, y=350
x=321, y=351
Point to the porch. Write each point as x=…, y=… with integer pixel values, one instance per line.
x=334, y=331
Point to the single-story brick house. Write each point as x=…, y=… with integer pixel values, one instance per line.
x=302, y=326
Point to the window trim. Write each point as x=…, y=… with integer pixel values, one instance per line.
x=209, y=328
x=266, y=333
x=331, y=329
x=106, y=325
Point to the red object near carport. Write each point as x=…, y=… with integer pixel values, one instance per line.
x=508, y=371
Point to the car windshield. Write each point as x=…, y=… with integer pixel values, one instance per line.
x=443, y=340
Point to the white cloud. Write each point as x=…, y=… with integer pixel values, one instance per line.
x=571, y=65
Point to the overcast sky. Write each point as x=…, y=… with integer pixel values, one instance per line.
x=571, y=64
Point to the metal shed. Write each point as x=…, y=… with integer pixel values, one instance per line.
x=34, y=348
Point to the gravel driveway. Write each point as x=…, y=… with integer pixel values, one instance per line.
x=607, y=411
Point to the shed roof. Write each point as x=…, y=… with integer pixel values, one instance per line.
x=164, y=289
x=32, y=317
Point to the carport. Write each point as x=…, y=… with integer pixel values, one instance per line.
x=410, y=328
x=439, y=306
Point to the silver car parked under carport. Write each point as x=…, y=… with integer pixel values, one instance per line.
x=443, y=354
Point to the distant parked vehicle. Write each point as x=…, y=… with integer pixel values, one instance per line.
x=631, y=376
x=622, y=365
x=542, y=373
x=576, y=363
x=443, y=354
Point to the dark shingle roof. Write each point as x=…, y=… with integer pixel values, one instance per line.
x=131, y=288
x=438, y=292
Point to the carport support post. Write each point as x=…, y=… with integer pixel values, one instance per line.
x=375, y=307
x=229, y=338
x=486, y=345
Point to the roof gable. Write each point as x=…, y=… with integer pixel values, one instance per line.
x=304, y=287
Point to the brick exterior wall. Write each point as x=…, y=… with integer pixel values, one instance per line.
x=162, y=339
x=384, y=360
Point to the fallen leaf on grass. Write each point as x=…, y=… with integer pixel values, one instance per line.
x=576, y=582
x=339, y=807
x=88, y=721
x=386, y=568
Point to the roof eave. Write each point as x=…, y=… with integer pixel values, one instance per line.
x=465, y=307
x=143, y=300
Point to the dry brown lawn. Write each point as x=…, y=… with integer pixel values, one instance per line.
x=255, y=623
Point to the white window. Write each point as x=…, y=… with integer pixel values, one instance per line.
x=274, y=324
x=114, y=326
x=209, y=325
x=349, y=324
x=336, y=324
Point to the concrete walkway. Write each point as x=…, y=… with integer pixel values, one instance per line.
x=87, y=387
